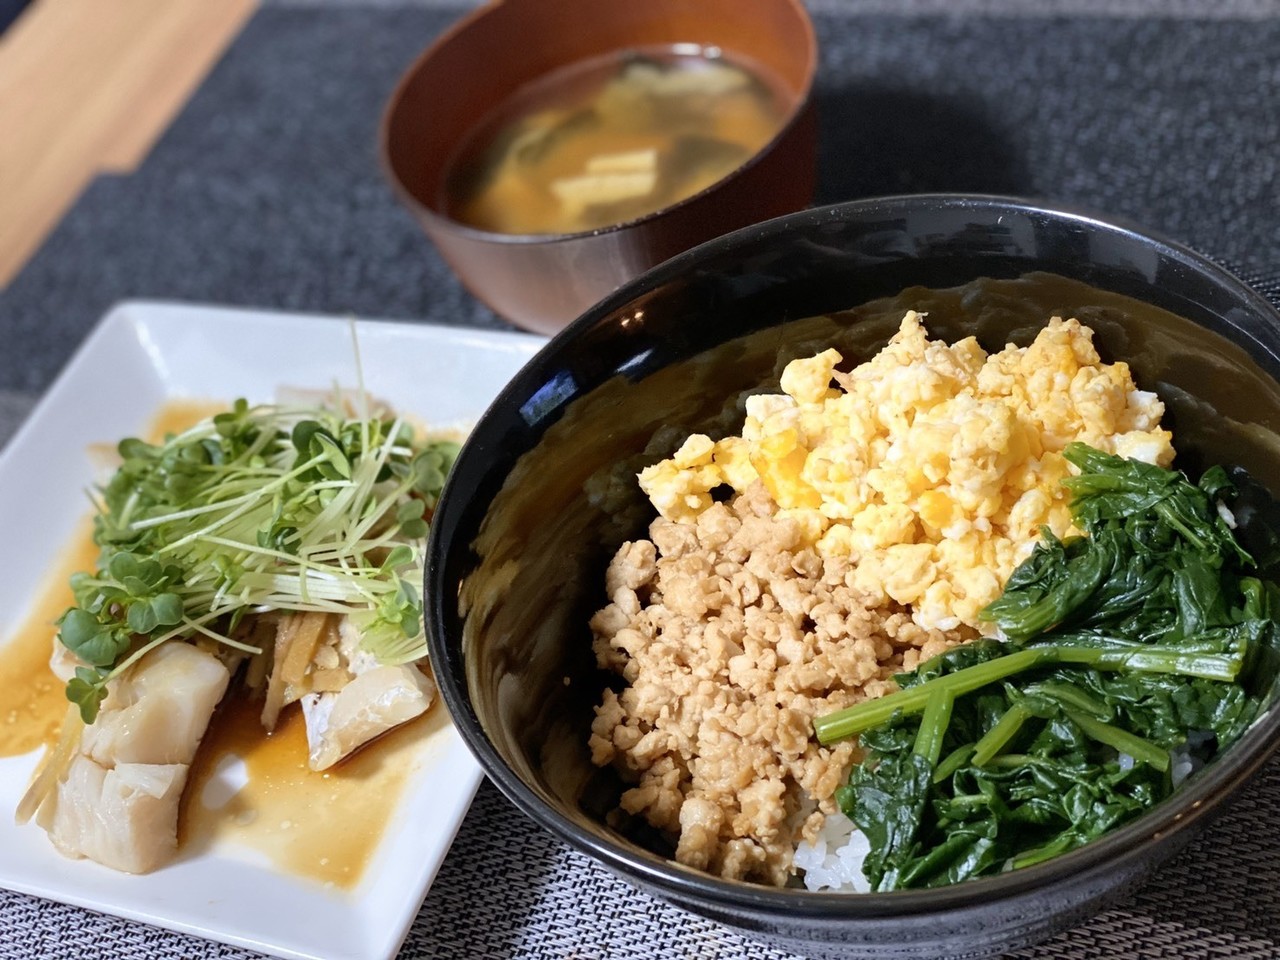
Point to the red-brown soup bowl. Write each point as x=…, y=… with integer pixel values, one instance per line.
x=542, y=281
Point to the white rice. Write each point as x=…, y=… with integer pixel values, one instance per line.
x=1185, y=763
x=834, y=861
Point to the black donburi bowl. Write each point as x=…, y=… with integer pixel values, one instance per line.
x=544, y=493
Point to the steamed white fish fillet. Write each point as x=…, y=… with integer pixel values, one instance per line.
x=377, y=699
x=159, y=713
x=117, y=802
x=62, y=662
x=125, y=817
x=373, y=703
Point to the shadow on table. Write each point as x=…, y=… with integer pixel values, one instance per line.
x=875, y=141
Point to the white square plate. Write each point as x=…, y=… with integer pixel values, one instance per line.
x=140, y=356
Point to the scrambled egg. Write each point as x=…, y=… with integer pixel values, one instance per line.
x=932, y=467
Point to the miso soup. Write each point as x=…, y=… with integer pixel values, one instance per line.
x=610, y=139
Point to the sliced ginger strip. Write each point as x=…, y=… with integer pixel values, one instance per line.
x=297, y=636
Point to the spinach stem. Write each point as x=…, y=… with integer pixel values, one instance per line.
x=1122, y=741
x=1069, y=696
x=956, y=759
x=933, y=726
x=912, y=700
x=871, y=713
x=1067, y=840
x=995, y=739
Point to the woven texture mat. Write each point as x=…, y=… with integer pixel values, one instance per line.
x=266, y=193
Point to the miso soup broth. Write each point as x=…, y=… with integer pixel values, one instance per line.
x=610, y=139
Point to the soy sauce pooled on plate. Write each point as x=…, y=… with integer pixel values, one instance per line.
x=612, y=138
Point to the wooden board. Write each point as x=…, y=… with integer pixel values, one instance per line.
x=87, y=86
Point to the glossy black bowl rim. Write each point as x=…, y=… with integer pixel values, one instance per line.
x=1191, y=804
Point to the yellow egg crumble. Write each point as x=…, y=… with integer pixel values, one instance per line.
x=931, y=467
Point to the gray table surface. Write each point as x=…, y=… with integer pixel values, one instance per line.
x=265, y=192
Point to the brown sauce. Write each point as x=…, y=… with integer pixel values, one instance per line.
x=178, y=415
x=33, y=702
x=324, y=826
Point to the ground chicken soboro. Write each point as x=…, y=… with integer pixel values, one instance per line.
x=734, y=635
x=875, y=513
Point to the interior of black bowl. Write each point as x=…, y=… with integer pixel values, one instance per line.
x=545, y=491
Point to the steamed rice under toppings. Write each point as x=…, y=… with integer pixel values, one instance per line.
x=833, y=859
x=867, y=526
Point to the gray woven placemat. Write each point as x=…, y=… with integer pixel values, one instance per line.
x=508, y=889
x=266, y=193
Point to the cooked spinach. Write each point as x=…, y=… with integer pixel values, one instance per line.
x=1132, y=654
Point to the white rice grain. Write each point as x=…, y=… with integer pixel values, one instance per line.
x=834, y=860
x=1184, y=764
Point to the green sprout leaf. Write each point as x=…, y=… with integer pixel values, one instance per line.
x=87, y=696
x=299, y=509
x=141, y=618
x=93, y=642
x=167, y=609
